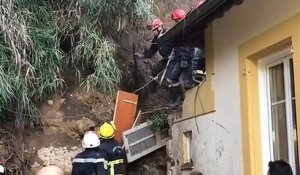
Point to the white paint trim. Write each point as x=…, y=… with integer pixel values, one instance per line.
x=263, y=100
x=288, y=97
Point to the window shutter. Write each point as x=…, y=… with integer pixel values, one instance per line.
x=141, y=140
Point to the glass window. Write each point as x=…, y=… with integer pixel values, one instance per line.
x=282, y=119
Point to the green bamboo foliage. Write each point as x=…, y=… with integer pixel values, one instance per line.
x=31, y=61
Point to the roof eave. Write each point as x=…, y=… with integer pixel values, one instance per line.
x=204, y=14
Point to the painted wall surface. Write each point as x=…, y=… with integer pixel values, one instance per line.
x=214, y=146
x=217, y=147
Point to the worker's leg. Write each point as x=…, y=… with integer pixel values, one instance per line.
x=175, y=88
x=187, y=76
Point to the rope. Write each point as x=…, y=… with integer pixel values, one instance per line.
x=156, y=78
x=142, y=87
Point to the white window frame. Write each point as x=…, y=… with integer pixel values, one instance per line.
x=187, y=139
x=276, y=58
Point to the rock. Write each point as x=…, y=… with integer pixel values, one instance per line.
x=50, y=102
x=35, y=166
x=62, y=100
x=60, y=156
x=78, y=128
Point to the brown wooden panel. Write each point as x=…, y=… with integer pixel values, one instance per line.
x=125, y=111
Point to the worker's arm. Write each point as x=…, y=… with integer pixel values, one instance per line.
x=152, y=50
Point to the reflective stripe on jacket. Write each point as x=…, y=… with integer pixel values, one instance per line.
x=112, y=164
x=90, y=162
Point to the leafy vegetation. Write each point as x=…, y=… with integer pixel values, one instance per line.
x=159, y=121
x=33, y=33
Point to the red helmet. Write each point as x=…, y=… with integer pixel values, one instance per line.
x=156, y=23
x=178, y=14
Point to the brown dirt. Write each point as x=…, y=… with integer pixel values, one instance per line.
x=64, y=120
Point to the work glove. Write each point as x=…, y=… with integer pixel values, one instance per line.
x=139, y=55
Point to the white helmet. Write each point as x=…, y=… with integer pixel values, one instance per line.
x=1, y=169
x=90, y=140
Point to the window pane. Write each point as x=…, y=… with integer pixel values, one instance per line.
x=279, y=129
x=277, y=83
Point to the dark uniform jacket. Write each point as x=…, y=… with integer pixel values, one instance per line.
x=115, y=155
x=164, y=49
x=90, y=162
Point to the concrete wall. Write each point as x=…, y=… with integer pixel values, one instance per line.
x=217, y=147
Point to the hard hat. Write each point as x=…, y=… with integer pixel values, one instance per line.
x=1, y=169
x=50, y=170
x=178, y=14
x=156, y=23
x=90, y=140
x=107, y=130
x=1, y=166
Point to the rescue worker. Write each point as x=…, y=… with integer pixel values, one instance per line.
x=191, y=57
x=112, y=148
x=163, y=48
x=50, y=170
x=91, y=161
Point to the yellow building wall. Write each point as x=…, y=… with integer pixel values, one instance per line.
x=282, y=35
x=234, y=43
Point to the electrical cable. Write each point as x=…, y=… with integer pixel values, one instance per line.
x=201, y=103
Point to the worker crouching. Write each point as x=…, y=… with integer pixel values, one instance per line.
x=91, y=161
x=112, y=148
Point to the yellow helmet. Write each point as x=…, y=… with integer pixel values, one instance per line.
x=107, y=130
